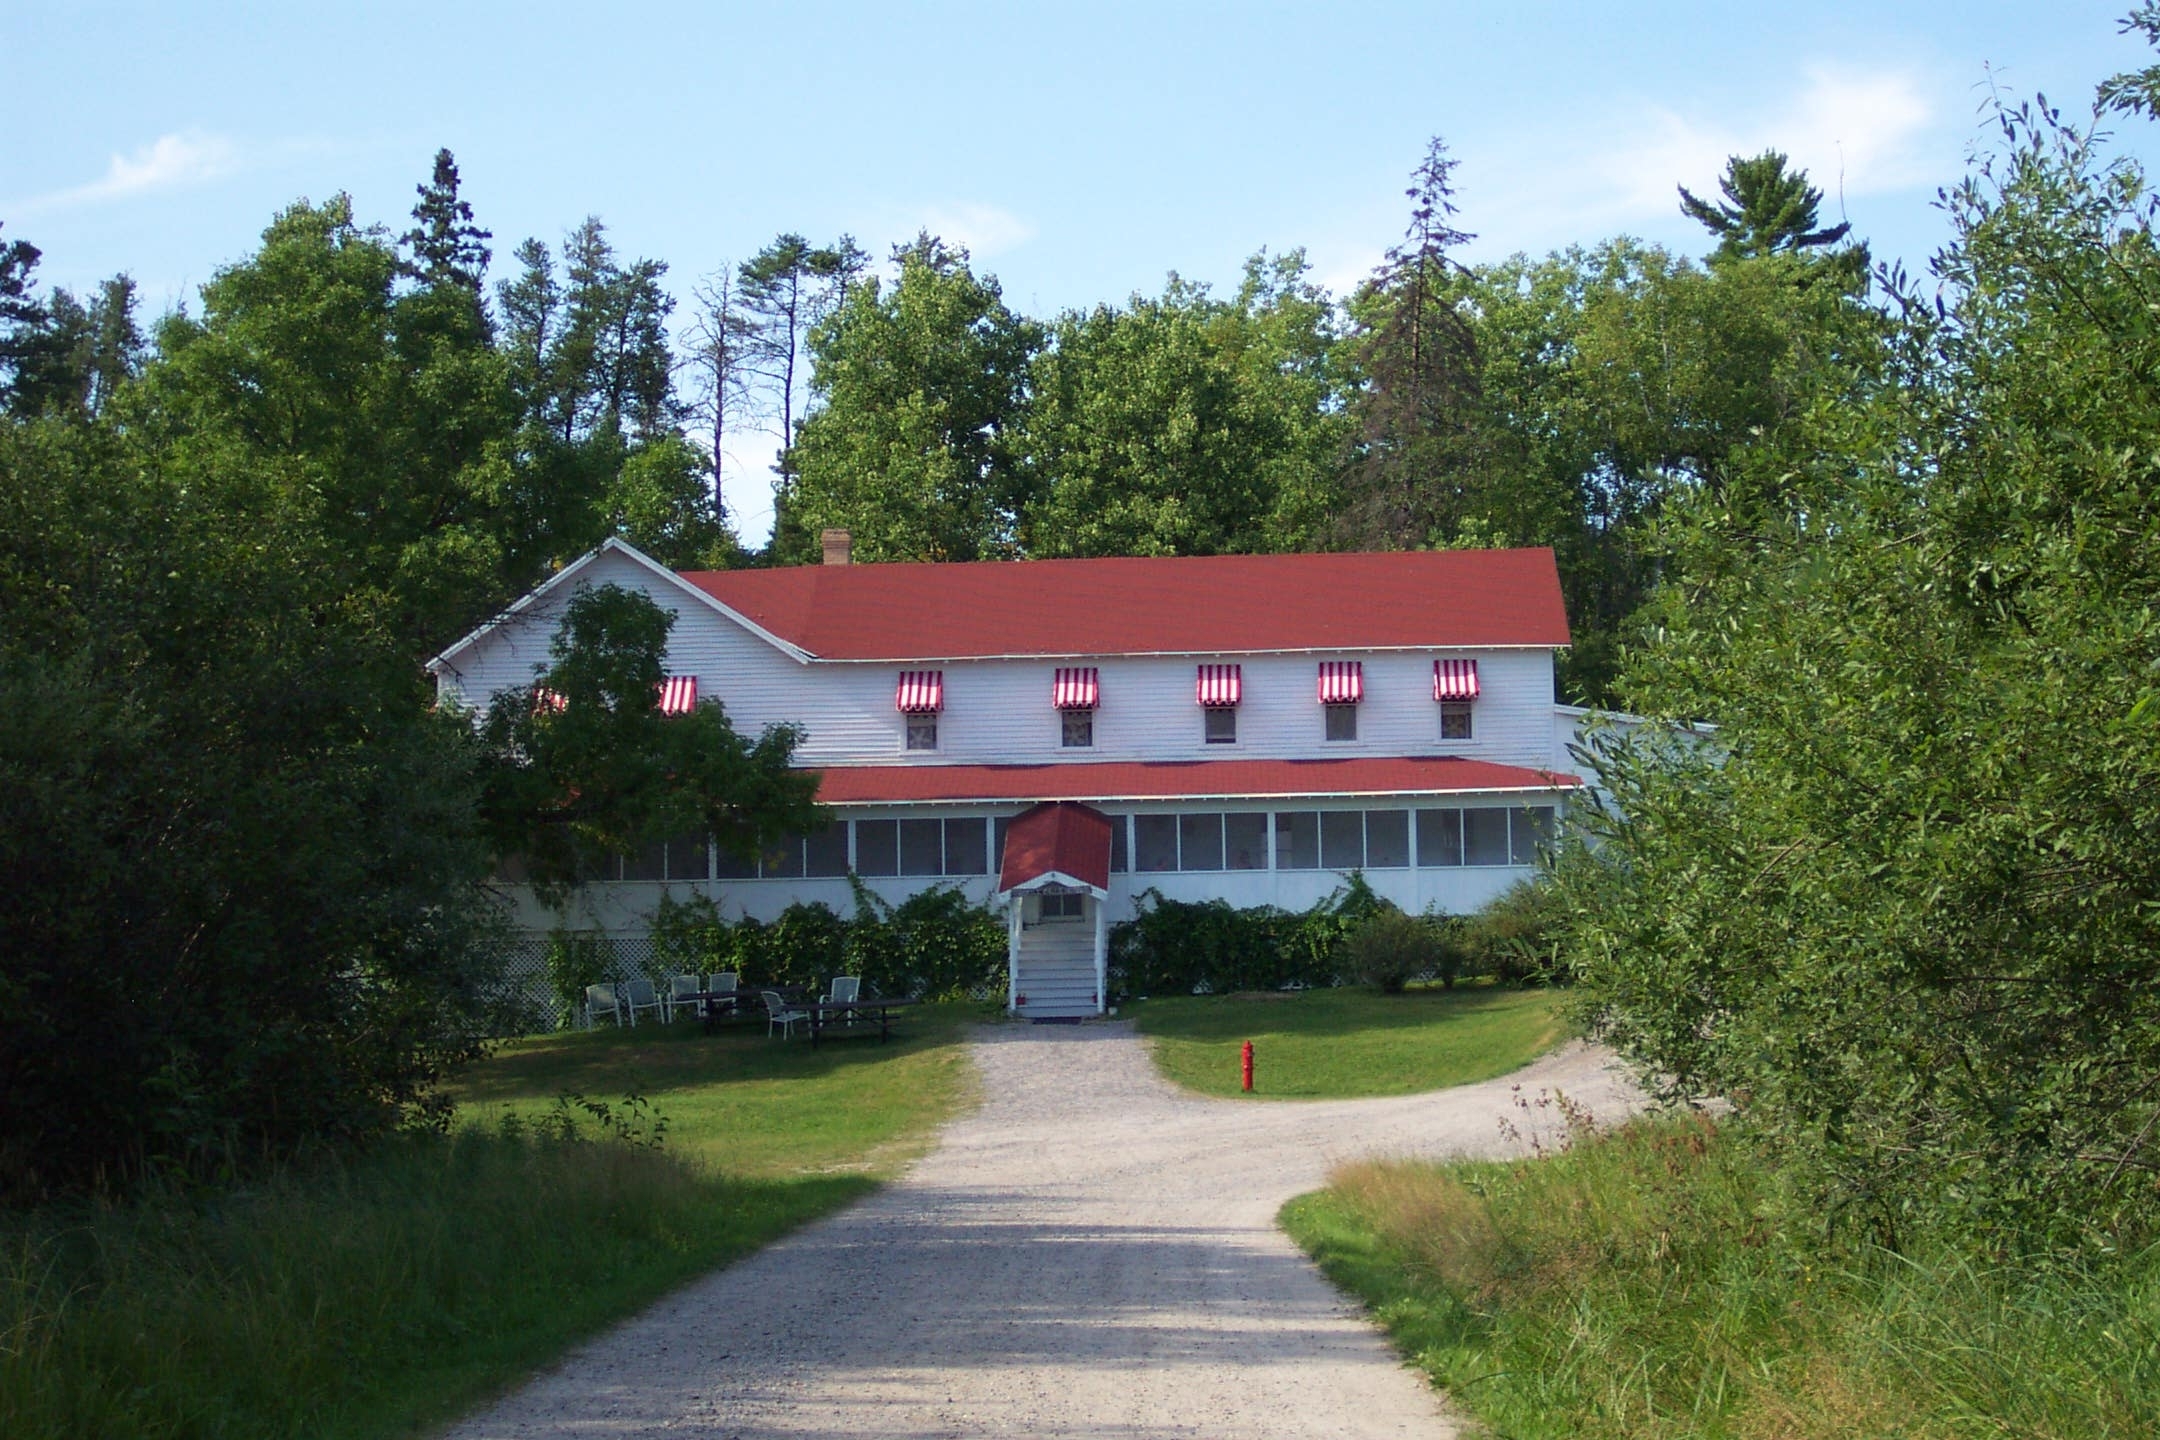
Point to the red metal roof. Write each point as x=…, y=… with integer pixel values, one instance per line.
x=1062, y=837
x=1176, y=779
x=1193, y=605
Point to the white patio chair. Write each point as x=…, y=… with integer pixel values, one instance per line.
x=602, y=1000
x=846, y=989
x=779, y=1012
x=679, y=989
x=723, y=983
x=639, y=995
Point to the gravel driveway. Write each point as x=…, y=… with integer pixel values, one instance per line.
x=1091, y=1253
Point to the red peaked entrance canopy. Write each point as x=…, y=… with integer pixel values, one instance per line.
x=1061, y=837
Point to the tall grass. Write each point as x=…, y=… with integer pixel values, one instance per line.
x=357, y=1298
x=1635, y=1286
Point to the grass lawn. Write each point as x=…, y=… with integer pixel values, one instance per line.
x=384, y=1294
x=1634, y=1288
x=745, y=1104
x=1348, y=1042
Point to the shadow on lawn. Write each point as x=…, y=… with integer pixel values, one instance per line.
x=653, y=1059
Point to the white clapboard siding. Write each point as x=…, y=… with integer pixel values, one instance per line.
x=999, y=711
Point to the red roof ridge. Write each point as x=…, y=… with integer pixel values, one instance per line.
x=1154, y=605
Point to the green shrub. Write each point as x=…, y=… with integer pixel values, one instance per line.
x=1519, y=936
x=1390, y=949
x=1180, y=947
x=934, y=945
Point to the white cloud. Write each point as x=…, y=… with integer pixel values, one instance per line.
x=1855, y=131
x=985, y=230
x=186, y=157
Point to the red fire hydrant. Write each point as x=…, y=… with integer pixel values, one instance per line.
x=1245, y=1065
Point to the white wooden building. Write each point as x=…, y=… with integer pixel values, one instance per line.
x=1244, y=727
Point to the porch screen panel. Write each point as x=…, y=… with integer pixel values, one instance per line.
x=922, y=847
x=784, y=861
x=727, y=865
x=964, y=847
x=1200, y=842
x=649, y=863
x=1485, y=837
x=1245, y=841
x=825, y=850
x=688, y=858
x=1439, y=838
x=1529, y=830
x=998, y=827
x=1342, y=839
x=1120, y=862
x=877, y=847
x=1387, y=839
x=1155, y=842
x=1297, y=840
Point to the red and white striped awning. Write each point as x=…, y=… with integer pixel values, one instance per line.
x=678, y=695
x=1076, y=689
x=1454, y=680
x=1342, y=682
x=922, y=692
x=1220, y=685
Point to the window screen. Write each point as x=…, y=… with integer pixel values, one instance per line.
x=1220, y=728
x=783, y=860
x=1485, y=837
x=1529, y=831
x=1155, y=842
x=686, y=858
x=877, y=847
x=1387, y=839
x=964, y=847
x=1342, y=839
x=1439, y=837
x=825, y=850
x=1297, y=840
x=1119, y=862
x=649, y=863
x=1245, y=841
x=1341, y=722
x=1199, y=842
x=922, y=847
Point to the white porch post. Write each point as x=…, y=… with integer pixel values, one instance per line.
x=1102, y=952
x=1012, y=951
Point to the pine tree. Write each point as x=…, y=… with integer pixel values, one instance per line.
x=1415, y=449
x=446, y=247
x=1767, y=210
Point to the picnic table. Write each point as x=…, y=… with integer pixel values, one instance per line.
x=824, y=1012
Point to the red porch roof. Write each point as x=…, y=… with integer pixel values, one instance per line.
x=1064, y=838
x=1190, y=605
x=1177, y=779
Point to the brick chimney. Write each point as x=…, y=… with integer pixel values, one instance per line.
x=837, y=546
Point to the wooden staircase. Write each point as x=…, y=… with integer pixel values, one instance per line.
x=1056, y=974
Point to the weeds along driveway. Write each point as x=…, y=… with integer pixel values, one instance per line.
x=1091, y=1253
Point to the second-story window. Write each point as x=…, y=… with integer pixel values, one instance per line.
x=1341, y=722
x=1218, y=690
x=1455, y=686
x=1074, y=692
x=921, y=695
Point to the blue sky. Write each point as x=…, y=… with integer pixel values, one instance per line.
x=1082, y=152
